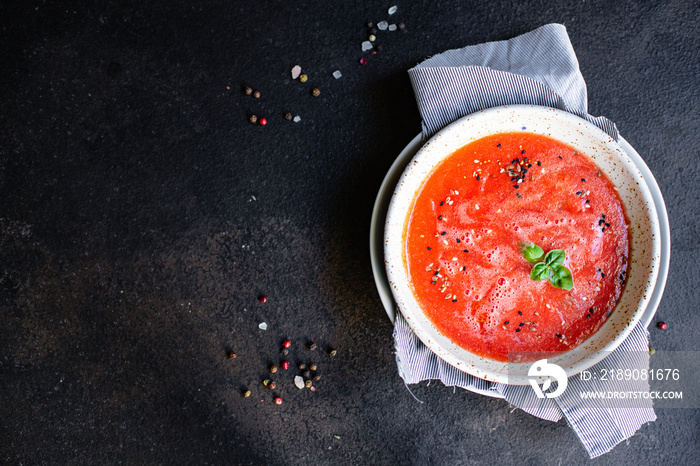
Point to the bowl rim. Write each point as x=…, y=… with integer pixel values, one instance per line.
x=482, y=367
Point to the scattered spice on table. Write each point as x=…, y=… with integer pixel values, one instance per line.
x=278, y=401
x=246, y=393
x=262, y=298
x=312, y=366
x=312, y=346
x=316, y=92
x=256, y=94
x=231, y=355
x=332, y=353
x=248, y=90
x=253, y=119
x=273, y=369
x=303, y=78
x=662, y=325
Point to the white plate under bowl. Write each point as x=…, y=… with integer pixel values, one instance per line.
x=640, y=202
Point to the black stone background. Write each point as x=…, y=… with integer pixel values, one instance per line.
x=132, y=253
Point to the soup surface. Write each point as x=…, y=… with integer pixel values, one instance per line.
x=470, y=222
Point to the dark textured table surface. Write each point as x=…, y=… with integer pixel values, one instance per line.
x=142, y=215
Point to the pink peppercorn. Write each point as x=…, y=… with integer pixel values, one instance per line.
x=285, y=365
x=287, y=343
x=662, y=325
x=363, y=61
x=262, y=298
x=263, y=121
x=278, y=400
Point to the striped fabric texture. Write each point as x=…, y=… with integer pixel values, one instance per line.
x=538, y=68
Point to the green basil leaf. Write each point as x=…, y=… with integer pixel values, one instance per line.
x=533, y=252
x=540, y=272
x=555, y=258
x=562, y=279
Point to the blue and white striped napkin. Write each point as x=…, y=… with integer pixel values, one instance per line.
x=538, y=68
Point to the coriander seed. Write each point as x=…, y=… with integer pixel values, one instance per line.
x=303, y=78
x=256, y=94
x=316, y=92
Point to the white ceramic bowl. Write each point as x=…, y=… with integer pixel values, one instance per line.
x=608, y=155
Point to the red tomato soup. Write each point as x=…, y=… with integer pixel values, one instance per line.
x=469, y=223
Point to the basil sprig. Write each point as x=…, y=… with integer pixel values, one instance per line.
x=550, y=267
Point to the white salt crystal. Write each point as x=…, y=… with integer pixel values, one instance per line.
x=296, y=71
x=392, y=27
x=392, y=10
x=299, y=382
x=337, y=74
x=297, y=119
x=382, y=25
x=366, y=45
x=262, y=326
